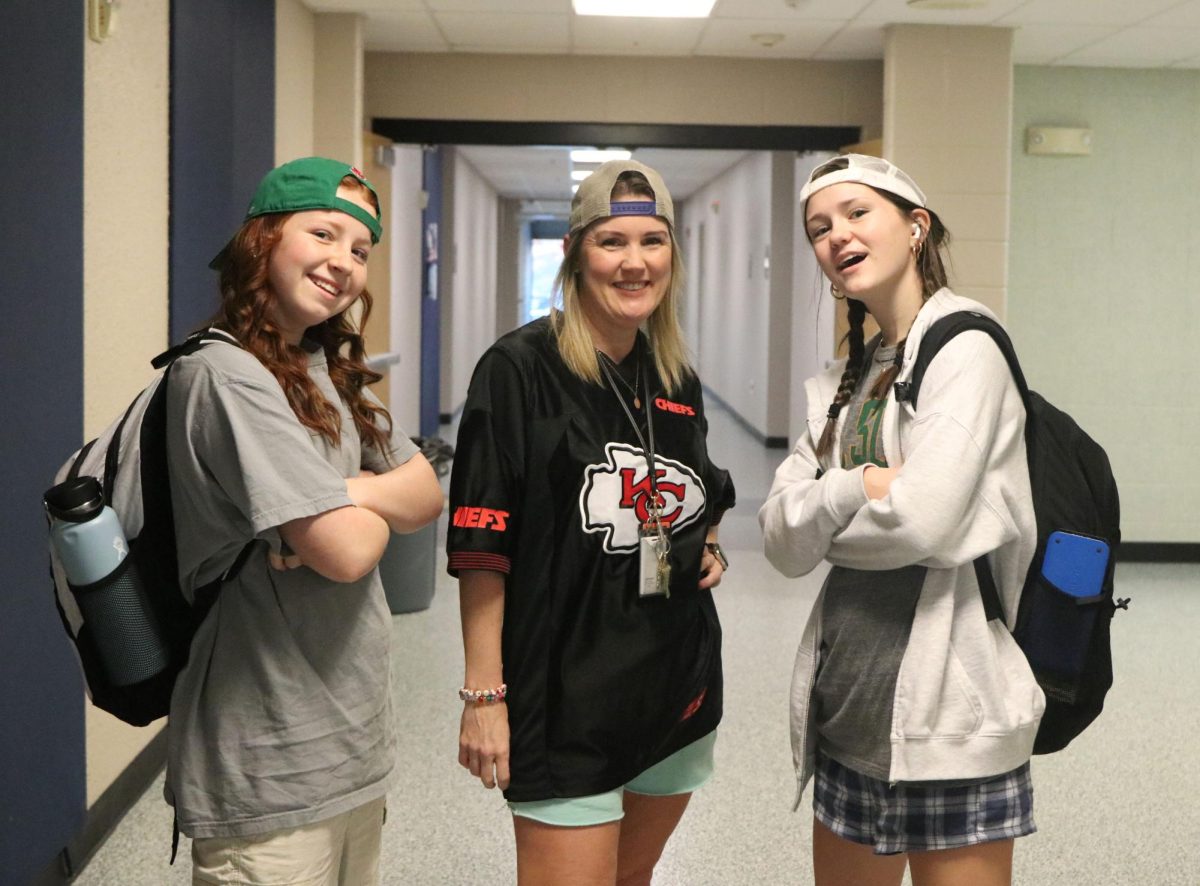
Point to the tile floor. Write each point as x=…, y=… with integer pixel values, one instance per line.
x=1119, y=807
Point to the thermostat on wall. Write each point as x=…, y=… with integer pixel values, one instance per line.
x=1058, y=141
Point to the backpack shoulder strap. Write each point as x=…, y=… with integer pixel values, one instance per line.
x=946, y=328
x=934, y=339
x=191, y=344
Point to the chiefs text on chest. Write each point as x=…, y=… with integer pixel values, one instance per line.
x=677, y=408
x=616, y=495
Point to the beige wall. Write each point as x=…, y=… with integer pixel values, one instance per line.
x=612, y=90
x=338, y=87
x=125, y=172
x=948, y=114
x=294, y=78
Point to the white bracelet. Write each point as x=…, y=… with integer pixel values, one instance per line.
x=484, y=696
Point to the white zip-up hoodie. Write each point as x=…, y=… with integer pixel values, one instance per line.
x=966, y=703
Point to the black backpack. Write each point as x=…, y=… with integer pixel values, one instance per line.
x=1065, y=637
x=130, y=461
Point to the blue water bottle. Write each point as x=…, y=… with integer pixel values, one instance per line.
x=90, y=543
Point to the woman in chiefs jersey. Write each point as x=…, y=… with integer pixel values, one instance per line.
x=584, y=536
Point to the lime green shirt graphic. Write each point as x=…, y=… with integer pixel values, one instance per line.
x=861, y=441
x=863, y=446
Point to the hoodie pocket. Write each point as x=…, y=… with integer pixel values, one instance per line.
x=955, y=711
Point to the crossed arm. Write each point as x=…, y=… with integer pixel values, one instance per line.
x=344, y=544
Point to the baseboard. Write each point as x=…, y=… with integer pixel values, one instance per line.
x=1158, y=552
x=108, y=810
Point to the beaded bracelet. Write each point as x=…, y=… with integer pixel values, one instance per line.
x=484, y=696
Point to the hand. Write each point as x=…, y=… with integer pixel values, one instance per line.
x=711, y=570
x=483, y=742
x=283, y=562
x=877, y=481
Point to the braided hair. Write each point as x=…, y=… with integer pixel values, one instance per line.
x=857, y=314
x=932, y=270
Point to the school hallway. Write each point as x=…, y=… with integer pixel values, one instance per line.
x=1117, y=807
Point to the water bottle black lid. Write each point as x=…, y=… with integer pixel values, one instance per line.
x=75, y=501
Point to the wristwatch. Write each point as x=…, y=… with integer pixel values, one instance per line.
x=714, y=548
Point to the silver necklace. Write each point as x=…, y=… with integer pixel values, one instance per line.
x=637, y=375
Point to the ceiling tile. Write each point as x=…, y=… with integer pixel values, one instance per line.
x=494, y=7
x=368, y=7
x=499, y=32
x=1139, y=48
x=853, y=41
x=1047, y=31
x=684, y=171
x=1186, y=15
x=1043, y=44
x=517, y=48
x=1075, y=12
x=803, y=10
x=899, y=12
x=736, y=37
x=599, y=34
x=403, y=32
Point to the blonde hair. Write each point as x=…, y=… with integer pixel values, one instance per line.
x=570, y=328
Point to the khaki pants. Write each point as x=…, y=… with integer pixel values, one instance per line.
x=340, y=851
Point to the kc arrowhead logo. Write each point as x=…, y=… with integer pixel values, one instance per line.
x=615, y=499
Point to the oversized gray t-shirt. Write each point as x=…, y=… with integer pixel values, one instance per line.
x=866, y=616
x=283, y=714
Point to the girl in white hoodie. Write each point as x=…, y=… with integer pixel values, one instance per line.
x=915, y=712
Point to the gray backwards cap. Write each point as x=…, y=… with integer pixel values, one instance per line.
x=866, y=170
x=594, y=200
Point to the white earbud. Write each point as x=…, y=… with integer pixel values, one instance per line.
x=916, y=230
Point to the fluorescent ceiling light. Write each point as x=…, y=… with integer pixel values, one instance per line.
x=645, y=8
x=580, y=174
x=574, y=188
x=591, y=155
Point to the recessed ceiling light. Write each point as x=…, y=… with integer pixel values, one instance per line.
x=591, y=155
x=645, y=8
x=946, y=4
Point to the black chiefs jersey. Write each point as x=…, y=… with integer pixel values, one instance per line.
x=549, y=487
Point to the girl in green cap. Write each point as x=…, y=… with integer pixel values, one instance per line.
x=280, y=735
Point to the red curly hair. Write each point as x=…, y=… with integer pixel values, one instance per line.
x=245, y=312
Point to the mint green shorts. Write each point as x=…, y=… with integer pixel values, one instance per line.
x=681, y=773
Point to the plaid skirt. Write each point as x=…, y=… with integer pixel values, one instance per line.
x=915, y=817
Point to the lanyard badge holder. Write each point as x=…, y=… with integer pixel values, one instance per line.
x=654, y=539
x=654, y=544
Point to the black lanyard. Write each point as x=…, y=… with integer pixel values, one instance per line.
x=655, y=507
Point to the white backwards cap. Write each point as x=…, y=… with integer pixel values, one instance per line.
x=863, y=169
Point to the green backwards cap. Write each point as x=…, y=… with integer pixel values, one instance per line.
x=309, y=183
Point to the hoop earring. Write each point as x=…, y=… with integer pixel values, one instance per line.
x=836, y=293
x=915, y=247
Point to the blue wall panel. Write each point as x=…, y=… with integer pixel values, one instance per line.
x=42, y=786
x=431, y=235
x=222, y=138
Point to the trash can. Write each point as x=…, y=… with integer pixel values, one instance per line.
x=408, y=568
